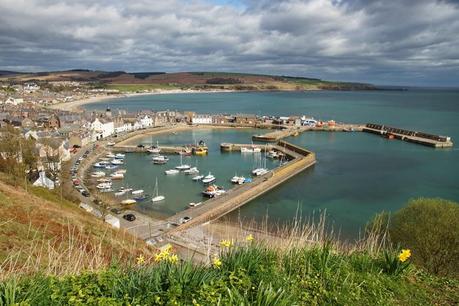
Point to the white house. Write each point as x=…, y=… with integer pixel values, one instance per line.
x=101, y=129
x=44, y=181
x=201, y=119
x=146, y=121
x=123, y=127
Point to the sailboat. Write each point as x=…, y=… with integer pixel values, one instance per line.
x=208, y=179
x=154, y=149
x=156, y=196
x=182, y=166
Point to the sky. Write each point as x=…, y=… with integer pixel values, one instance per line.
x=387, y=42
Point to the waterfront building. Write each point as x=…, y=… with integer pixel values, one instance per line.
x=201, y=119
x=102, y=128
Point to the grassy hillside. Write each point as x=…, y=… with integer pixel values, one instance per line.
x=247, y=274
x=128, y=82
x=41, y=232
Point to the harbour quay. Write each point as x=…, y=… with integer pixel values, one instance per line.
x=297, y=159
x=421, y=138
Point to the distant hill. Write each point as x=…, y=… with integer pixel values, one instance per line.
x=128, y=81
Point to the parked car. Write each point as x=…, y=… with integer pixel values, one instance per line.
x=129, y=217
x=140, y=146
x=184, y=220
x=85, y=193
x=116, y=211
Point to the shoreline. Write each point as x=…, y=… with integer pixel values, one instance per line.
x=76, y=106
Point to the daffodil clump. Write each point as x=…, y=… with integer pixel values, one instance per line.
x=140, y=260
x=217, y=263
x=404, y=255
x=167, y=255
x=226, y=243
x=249, y=238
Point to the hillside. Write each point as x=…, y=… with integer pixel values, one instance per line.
x=184, y=80
x=40, y=232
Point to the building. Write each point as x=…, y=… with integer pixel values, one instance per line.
x=201, y=119
x=245, y=119
x=102, y=128
x=146, y=121
x=79, y=139
x=43, y=181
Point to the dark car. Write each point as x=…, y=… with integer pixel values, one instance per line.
x=85, y=193
x=97, y=201
x=85, y=155
x=140, y=146
x=129, y=217
x=87, y=152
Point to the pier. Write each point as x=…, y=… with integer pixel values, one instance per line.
x=301, y=159
x=295, y=131
x=410, y=136
x=136, y=149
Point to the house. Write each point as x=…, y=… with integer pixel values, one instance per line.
x=102, y=128
x=201, y=119
x=43, y=181
x=146, y=121
x=79, y=139
x=222, y=119
x=245, y=119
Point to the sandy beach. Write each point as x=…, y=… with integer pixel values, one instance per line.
x=76, y=106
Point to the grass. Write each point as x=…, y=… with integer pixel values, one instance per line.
x=39, y=232
x=250, y=274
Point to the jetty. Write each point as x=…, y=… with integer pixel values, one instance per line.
x=410, y=136
x=299, y=159
x=284, y=132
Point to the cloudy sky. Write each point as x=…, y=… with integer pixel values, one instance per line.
x=407, y=42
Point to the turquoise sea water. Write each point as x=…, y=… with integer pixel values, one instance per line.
x=357, y=174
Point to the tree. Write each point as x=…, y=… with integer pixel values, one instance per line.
x=430, y=228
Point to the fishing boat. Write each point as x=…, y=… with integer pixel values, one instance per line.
x=98, y=174
x=193, y=170
x=117, y=162
x=137, y=192
x=156, y=196
x=160, y=160
x=117, y=176
x=128, y=202
x=213, y=191
x=272, y=154
x=246, y=150
x=119, y=193
x=182, y=166
x=120, y=156
x=200, y=151
x=194, y=204
x=171, y=171
x=208, y=179
x=185, y=152
x=197, y=177
x=104, y=180
x=104, y=186
x=154, y=149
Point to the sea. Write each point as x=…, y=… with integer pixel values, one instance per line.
x=357, y=175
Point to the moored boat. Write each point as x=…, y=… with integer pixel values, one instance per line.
x=156, y=196
x=171, y=171
x=128, y=202
x=137, y=192
x=192, y=170
x=197, y=177
x=117, y=162
x=208, y=179
x=194, y=204
x=97, y=174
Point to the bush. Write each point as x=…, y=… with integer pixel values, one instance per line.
x=430, y=228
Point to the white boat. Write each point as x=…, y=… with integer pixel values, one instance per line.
x=197, y=177
x=117, y=176
x=117, y=162
x=123, y=171
x=272, y=154
x=182, y=166
x=99, y=165
x=246, y=150
x=156, y=196
x=235, y=179
x=137, y=192
x=98, y=174
x=110, y=155
x=171, y=171
x=111, y=167
x=110, y=144
x=104, y=185
x=241, y=180
x=213, y=191
x=194, y=204
x=260, y=171
x=120, y=156
x=128, y=201
x=256, y=150
x=192, y=170
x=104, y=180
x=106, y=190
x=120, y=193
x=126, y=190
x=160, y=159
x=154, y=150
x=208, y=179
x=105, y=159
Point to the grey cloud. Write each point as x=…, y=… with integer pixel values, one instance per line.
x=409, y=42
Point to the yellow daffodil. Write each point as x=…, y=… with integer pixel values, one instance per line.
x=249, y=238
x=173, y=258
x=140, y=260
x=404, y=255
x=217, y=262
x=226, y=243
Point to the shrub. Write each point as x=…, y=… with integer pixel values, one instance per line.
x=430, y=228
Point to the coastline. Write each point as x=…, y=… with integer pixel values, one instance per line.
x=76, y=106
